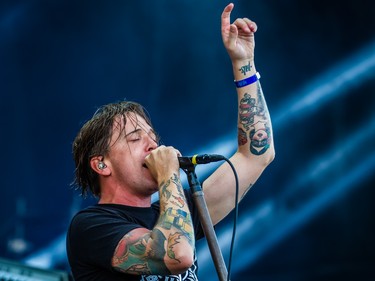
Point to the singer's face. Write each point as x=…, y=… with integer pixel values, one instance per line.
x=128, y=149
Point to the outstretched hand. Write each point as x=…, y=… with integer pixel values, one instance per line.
x=238, y=37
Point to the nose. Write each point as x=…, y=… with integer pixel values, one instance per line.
x=151, y=143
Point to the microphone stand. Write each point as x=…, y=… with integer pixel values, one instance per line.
x=205, y=219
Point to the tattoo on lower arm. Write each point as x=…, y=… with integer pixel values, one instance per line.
x=173, y=240
x=245, y=68
x=247, y=111
x=173, y=216
x=242, y=137
x=254, y=118
x=179, y=219
x=260, y=136
x=177, y=199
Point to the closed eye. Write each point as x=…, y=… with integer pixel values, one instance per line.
x=133, y=136
x=134, y=139
x=138, y=134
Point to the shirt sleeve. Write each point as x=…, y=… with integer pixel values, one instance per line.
x=94, y=235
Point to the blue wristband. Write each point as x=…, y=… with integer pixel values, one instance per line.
x=247, y=81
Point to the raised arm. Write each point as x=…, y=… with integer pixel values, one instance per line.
x=255, y=144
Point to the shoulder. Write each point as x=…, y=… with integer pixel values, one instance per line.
x=96, y=216
x=98, y=223
x=93, y=213
x=114, y=216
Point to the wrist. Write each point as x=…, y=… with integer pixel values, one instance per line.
x=247, y=81
x=243, y=69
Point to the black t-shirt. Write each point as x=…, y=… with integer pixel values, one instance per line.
x=95, y=232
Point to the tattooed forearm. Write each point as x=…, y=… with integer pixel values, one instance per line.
x=178, y=201
x=260, y=132
x=242, y=137
x=164, y=189
x=260, y=136
x=175, y=216
x=173, y=240
x=167, y=193
x=179, y=219
x=247, y=111
x=254, y=118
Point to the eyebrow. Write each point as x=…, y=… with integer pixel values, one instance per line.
x=140, y=129
x=133, y=132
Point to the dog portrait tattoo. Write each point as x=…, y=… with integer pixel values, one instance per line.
x=259, y=138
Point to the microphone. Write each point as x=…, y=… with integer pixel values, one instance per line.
x=188, y=161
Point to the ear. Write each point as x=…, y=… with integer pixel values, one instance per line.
x=95, y=163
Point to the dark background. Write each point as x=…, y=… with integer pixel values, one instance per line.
x=311, y=214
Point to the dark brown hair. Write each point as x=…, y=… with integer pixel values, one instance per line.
x=94, y=140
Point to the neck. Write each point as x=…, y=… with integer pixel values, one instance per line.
x=125, y=199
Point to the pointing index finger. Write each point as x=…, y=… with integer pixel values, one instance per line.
x=225, y=16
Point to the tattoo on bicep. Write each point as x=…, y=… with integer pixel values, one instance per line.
x=136, y=256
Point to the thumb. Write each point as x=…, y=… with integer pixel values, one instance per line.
x=233, y=34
